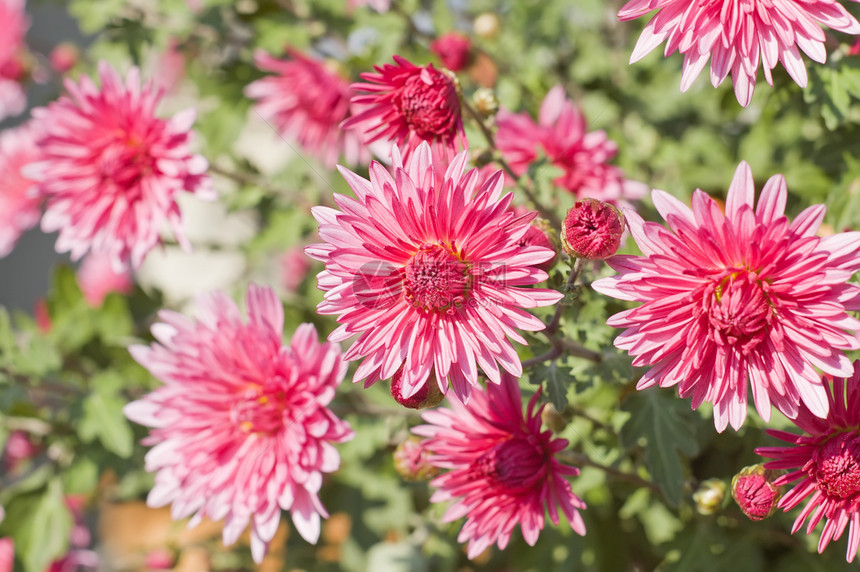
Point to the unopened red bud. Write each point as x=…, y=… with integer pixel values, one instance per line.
x=755, y=493
x=411, y=461
x=709, y=496
x=64, y=57
x=455, y=50
x=592, y=230
x=427, y=396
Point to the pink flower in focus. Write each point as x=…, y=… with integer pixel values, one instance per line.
x=826, y=462
x=407, y=105
x=561, y=134
x=736, y=300
x=19, y=207
x=7, y=554
x=13, y=100
x=98, y=278
x=429, y=273
x=502, y=469
x=241, y=428
x=307, y=101
x=295, y=265
x=453, y=49
x=111, y=170
x=739, y=33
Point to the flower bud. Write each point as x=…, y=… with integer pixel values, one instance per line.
x=552, y=418
x=64, y=57
x=427, y=396
x=411, y=461
x=592, y=230
x=453, y=49
x=755, y=493
x=485, y=101
x=709, y=496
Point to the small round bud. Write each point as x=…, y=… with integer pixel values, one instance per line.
x=485, y=101
x=592, y=230
x=486, y=25
x=411, y=461
x=554, y=420
x=709, y=496
x=64, y=57
x=755, y=493
x=427, y=396
x=453, y=49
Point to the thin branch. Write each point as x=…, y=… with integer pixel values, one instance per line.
x=575, y=458
x=554, y=323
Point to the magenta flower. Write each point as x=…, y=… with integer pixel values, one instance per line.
x=754, y=491
x=19, y=206
x=739, y=33
x=501, y=468
x=592, y=230
x=738, y=300
x=826, y=462
x=111, y=170
x=307, y=101
x=407, y=105
x=427, y=270
x=455, y=50
x=13, y=100
x=241, y=428
x=561, y=135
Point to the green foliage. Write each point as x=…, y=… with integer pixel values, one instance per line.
x=103, y=418
x=42, y=524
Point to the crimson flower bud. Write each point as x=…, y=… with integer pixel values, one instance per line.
x=64, y=57
x=453, y=49
x=755, y=493
x=427, y=396
x=592, y=230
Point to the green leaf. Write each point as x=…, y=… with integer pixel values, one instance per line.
x=40, y=526
x=656, y=416
x=103, y=417
x=557, y=377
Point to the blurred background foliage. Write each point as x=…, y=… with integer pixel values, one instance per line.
x=65, y=377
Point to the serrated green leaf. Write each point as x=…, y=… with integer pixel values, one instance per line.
x=40, y=525
x=656, y=416
x=556, y=378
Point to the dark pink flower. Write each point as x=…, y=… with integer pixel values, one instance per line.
x=738, y=300
x=111, y=170
x=561, y=135
x=407, y=105
x=19, y=205
x=754, y=491
x=428, y=271
x=739, y=34
x=592, y=230
x=241, y=428
x=97, y=278
x=307, y=101
x=824, y=464
x=501, y=469
x=453, y=49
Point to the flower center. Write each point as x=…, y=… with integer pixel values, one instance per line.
x=836, y=466
x=515, y=464
x=739, y=310
x=125, y=160
x=435, y=279
x=260, y=408
x=429, y=104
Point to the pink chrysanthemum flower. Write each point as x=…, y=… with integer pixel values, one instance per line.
x=407, y=105
x=19, y=206
x=110, y=169
x=241, y=427
x=737, y=300
x=13, y=100
x=501, y=468
x=307, y=101
x=428, y=271
x=826, y=462
x=561, y=135
x=739, y=33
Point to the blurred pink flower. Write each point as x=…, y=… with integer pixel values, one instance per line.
x=739, y=33
x=98, y=278
x=560, y=133
x=501, y=468
x=19, y=448
x=241, y=428
x=826, y=462
x=407, y=105
x=19, y=206
x=64, y=57
x=295, y=265
x=13, y=100
x=111, y=170
x=170, y=67
x=307, y=101
x=381, y=6
x=429, y=273
x=7, y=554
x=453, y=49
x=738, y=300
